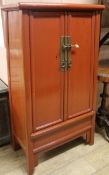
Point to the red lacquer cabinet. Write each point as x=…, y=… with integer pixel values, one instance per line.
x=52, y=64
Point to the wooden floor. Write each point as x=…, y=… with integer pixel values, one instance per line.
x=74, y=158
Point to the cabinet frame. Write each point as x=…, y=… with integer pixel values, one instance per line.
x=19, y=16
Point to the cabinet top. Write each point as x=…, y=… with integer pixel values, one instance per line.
x=52, y=6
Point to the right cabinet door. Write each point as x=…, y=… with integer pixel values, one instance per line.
x=80, y=75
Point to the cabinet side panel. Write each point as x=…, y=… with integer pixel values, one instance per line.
x=96, y=20
x=16, y=74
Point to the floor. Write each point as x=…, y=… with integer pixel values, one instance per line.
x=74, y=158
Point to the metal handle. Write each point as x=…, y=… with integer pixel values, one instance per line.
x=69, y=46
x=66, y=58
x=76, y=46
x=63, y=62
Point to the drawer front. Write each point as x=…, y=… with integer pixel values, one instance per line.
x=62, y=133
x=46, y=28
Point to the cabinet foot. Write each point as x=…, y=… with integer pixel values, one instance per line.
x=90, y=137
x=30, y=167
x=30, y=171
x=15, y=144
x=32, y=161
x=35, y=160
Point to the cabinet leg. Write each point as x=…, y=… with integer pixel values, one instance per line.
x=15, y=144
x=31, y=163
x=88, y=133
x=90, y=136
x=35, y=160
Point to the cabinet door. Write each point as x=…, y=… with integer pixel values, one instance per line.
x=46, y=29
x=80, y=75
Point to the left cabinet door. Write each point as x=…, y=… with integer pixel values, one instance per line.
x=46, y=29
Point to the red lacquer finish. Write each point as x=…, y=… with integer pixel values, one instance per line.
x=47, y=79
x=50, y=107
x=53, y=6
x=16, y=73
x=80, y=92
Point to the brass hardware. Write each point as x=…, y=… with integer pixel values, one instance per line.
x=69, y=46
x=63, y=55
x=66, y=46
x=76, y=46
x=69, y=59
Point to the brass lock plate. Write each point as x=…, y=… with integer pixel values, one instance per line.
x=66, y=46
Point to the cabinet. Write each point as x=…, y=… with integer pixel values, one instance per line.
x=52, y=63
